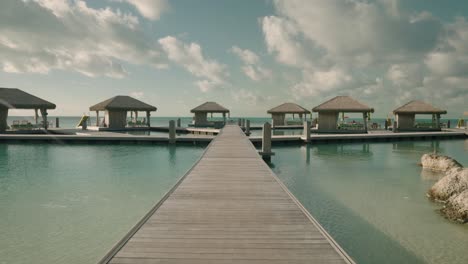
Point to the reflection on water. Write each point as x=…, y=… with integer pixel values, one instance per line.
x=372, y=198
x=418, y=146
x=346, y=151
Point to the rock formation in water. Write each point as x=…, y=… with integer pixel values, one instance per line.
x=452, y=189
x=439, y=162
x=456, y=207
x=454, y=182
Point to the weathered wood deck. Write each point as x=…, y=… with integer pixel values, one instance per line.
x=229, y=208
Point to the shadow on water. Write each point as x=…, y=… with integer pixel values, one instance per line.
x=359, y=238
x=352, y=232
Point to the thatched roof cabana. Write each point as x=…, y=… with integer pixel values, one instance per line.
x=278, y=113
x=405, y=116
x=122, y=103
x=13, y=98
x=210, y=107
x=288, y=108
x=116, y=112
x=201, y=114
x=329, y=111
x=418, y=107
x=343, y=104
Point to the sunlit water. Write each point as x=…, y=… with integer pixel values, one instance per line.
x=371, y=199
x=71, y=204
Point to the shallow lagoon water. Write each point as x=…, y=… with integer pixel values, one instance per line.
x=72, y=203
x=371, y=198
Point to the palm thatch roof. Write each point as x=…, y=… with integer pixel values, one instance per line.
x=343, y=104
x=122, y=103
x=465, y=113
x=11, y=98
x=210, y=107
x=288, y=108
x=418, y=107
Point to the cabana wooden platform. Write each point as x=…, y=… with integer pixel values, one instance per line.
x=278, y=114
x=229, y=208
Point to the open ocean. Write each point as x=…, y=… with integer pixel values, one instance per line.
x=72, y=121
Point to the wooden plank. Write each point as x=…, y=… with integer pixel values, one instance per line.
x=230, y=208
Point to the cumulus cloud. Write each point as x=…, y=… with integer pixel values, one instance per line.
x=368, y=48
x=252, y=66
x=191, y=58
x=451, y=56
x=70, y=35
x=150, y=9
x=137, y=94
x=247, y=97
x=280, y=38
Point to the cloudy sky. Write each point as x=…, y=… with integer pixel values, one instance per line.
x=247, y=55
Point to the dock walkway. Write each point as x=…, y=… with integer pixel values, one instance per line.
x=229, y=208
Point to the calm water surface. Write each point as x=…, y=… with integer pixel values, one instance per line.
x=71, y=204
x=371, y=199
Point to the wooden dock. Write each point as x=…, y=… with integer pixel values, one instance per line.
x=229, y=208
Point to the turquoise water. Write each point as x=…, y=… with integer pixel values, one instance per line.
x=371, y=199
x=71, y=204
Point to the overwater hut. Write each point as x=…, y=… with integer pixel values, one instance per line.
x=13, y=98
x=405, y=117
x=278, y=114
x=201, y=112
x=328, y=115
x=116, y=109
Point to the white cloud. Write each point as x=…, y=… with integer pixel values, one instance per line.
x=150, y=9
x=368, y=48
x=405, y=75
x=247, y=97
x=191, y=58
x=346, y=29
x=280, y=40
x=257, y=73
x=137, y=94
x=317, y=82
x=451, y=56
x=247, y=56
x=70, y=35
x=252, y=66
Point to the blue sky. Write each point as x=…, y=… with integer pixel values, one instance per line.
x=246, y=55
